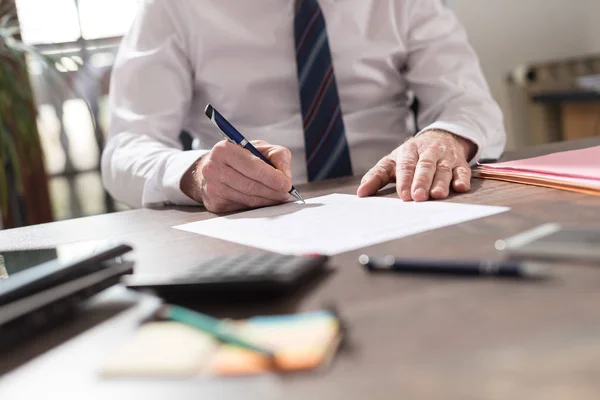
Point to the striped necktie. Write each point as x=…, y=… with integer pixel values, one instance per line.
x=327, y=153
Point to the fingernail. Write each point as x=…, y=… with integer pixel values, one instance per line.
x=461, y=185
x=420, y=194
x=437, y=192
x=405, y=194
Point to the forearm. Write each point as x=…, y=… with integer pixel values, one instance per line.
x=142, y=172
x=444, y=73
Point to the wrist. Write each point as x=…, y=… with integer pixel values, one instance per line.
x=190, y=182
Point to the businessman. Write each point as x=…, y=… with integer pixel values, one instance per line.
x=325, y=85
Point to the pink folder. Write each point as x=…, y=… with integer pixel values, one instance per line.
x=577, y=170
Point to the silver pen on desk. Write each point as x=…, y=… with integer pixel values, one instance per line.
x=492, y=268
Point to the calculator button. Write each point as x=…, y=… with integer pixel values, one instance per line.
x=257, y=272
x=240, y=269
x=279, y=261
x=261, y=258
x=268, y=268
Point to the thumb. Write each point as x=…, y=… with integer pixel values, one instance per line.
x=379, y=176
x=280, y=157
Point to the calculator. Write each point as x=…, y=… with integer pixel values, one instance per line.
x=242, y=276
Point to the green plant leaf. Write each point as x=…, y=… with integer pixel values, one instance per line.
x=3, y=177
x=10, y=150
x=5, y=19
x=19, y=138
x=3, y=190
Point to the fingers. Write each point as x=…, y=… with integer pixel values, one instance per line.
x=280, y=157
x=219, y=205
x=406, y=165
x=462, y=178
x=441, y=180
x=241, y=183
x=424, y=173
x=225, y=177
x=225, y=198
x=252, y=167
x=379, y=176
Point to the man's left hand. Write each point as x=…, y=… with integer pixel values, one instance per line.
x=424, y=166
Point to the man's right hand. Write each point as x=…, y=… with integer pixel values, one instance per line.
x=230, y=178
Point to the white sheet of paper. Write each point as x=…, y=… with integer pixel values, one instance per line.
x=335, y=223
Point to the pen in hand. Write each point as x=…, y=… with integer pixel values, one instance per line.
x=233, y=135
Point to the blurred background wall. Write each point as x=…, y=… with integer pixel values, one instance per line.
x=510, y=33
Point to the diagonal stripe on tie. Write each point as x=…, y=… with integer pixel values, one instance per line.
x=327, y=81
x=307, y=29
x=340, y=150
x=326, y=146
x=333, y=120
x=310, y=60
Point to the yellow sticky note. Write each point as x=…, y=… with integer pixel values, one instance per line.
x=162, y=349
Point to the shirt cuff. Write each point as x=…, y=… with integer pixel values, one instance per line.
x=163, y=188
x=462, y=132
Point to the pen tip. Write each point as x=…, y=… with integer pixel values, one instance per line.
x=295, y=193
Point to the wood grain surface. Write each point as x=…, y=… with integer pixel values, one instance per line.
x=410, y=337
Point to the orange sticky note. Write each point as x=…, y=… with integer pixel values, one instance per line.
x=300, y=342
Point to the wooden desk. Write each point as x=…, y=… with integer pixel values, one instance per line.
x=411, y=337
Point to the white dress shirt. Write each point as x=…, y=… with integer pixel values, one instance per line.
x=239, y=56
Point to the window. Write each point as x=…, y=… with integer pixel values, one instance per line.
x=44, y=21
x=59, y=21
x=106, y=18
x=66, y=129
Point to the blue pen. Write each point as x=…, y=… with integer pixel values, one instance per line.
x=233, y=135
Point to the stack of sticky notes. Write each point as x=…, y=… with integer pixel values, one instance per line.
x=171, y=349
x=576, y=170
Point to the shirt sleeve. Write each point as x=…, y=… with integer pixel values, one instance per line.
x=444, y=73
x=150, y=94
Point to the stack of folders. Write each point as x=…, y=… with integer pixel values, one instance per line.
x=577, y=170
x=171, y=349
